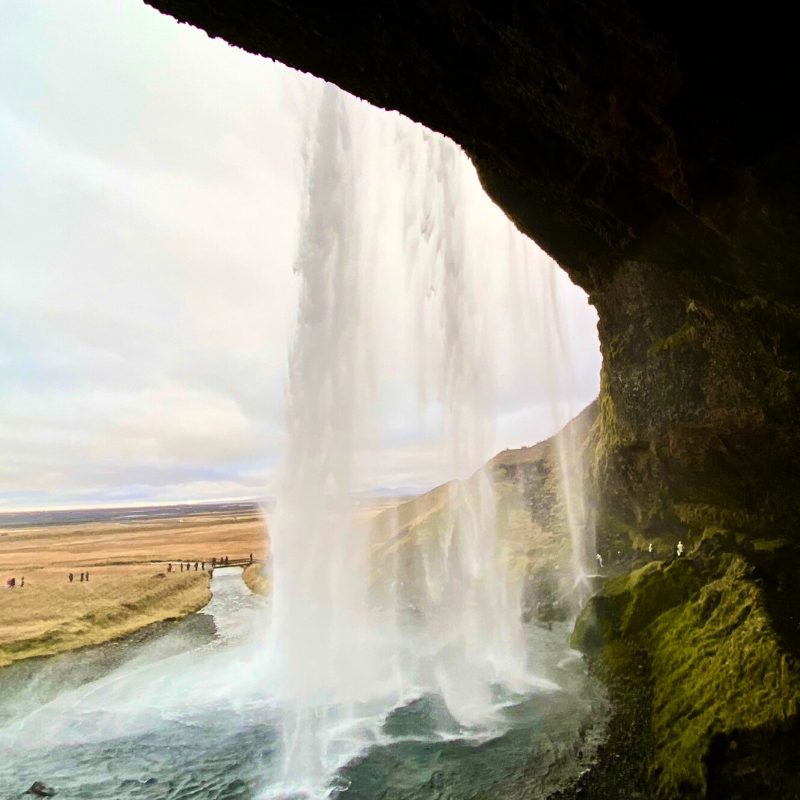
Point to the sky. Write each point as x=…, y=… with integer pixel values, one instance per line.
x=152, y=193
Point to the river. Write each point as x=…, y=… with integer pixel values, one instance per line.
x=181, y=710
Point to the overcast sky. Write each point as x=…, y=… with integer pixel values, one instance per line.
x=151, y=192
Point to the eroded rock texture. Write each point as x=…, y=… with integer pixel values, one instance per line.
x=652, y=149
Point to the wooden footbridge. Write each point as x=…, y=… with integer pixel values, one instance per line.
x=232, y=562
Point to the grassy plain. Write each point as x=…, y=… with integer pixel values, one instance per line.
x=128, y=587
x=48, y=617
x=256, y=579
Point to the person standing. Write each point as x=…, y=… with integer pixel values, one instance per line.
x=87, y=577
x=81, y=577
x=71, y=577
x=22, y=582
x=181, y=566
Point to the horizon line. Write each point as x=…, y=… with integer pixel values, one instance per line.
x=376, y=492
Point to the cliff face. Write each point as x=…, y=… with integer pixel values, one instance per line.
x=651, y=148
x=535, y=495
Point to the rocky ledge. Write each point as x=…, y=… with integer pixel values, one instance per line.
x=651, y=148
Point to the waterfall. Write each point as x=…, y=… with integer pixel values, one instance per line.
x=538, y=316
x=319, y=620
x=380, y=276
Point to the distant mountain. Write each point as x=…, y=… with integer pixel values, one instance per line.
x=538, y=501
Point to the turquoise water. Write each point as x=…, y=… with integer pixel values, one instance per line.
x=176, y=712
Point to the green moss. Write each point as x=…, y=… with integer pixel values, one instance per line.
x=769, y=545
x=596, y=625
x=629, y=603
x=616, y=345
x=702, y=516
x=654, y=590
x=686, y=334
x=618, y=657
x=606, y=433
x=717, y=668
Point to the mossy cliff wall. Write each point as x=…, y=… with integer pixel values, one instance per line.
x=651, y=148
x=701, y=412
x=721, y=665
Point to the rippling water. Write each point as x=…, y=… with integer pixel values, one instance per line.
x=180, y=711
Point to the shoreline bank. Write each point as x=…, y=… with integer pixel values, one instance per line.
x=621, y=761
x=47, y=619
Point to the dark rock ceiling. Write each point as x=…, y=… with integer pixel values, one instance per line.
x=609, y=131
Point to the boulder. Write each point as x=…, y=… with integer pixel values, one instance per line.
x=41, y=789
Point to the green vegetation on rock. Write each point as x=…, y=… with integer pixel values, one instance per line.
x=718, y=668
x=686, y=334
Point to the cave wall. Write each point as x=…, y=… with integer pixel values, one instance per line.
x=647, y=131
x=651, y=149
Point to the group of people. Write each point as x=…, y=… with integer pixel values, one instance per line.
x=679, y=550
x=184, y=566
x=187, y=566
x=201, y=565
x=11, y=583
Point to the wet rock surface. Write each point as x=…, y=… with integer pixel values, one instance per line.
x=651, y=148
x=41, y=789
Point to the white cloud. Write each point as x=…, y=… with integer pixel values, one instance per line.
x=149, y=219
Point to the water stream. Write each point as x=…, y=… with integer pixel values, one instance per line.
x=182, y=711
x=429, y=686
x=340, y=664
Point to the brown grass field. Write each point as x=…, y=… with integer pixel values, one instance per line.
x=125, y=591
x=128, y=586
x=257, y=582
